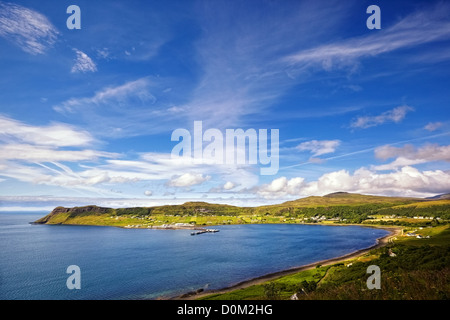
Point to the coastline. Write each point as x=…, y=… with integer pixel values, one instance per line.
x=380, y=242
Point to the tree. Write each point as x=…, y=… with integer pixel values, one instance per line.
x=307, y=286
x=271, y=291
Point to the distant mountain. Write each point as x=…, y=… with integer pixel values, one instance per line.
x=338, y=194
x=445, y=196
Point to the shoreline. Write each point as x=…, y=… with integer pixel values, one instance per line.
x=380, y=242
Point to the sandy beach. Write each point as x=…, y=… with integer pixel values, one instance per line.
x=394, y=231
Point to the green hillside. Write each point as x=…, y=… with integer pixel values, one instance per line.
x=338, y=207
x=345, y=198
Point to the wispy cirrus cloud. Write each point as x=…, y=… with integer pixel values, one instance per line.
x=427, y=26
x=241, y=76
x=27, y=28
x=72, y=165
x=238, y=53
x=31, y=153
x=34, y=153
x=54, y=135
x=122, y=110
x=127, y=94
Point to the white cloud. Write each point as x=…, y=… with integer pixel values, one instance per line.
x=228, y=185
x=330, y=182
x=137, y=88
x=175, y=109
x=429, y=152
x=410, y=155
x=398, y=163
x=281, y=187
x=161, y=166
x=83, y=63
x=148, y=193
x=55, y=135
x=395, y=115
x=433, y=126
x=56, y=174
x=28, y=29
x=407, y=181
x=103, y=53
x=45, y=154
x=155, y=166
x=41, y=148
x=319, y=147
x=187, y=180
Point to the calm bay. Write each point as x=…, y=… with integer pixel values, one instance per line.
x=120, y=264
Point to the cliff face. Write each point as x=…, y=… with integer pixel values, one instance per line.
x=55, y=211
x=73, y=212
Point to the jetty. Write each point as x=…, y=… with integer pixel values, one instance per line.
x=175, y=226
x=200, y=231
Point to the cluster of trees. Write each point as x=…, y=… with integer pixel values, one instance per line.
x=442, y=211
x=419, y=223
x=138, y=211
x=275, y=290
x=349, y=214
x=359, y=213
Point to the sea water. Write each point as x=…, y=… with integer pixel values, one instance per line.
x=117, y=263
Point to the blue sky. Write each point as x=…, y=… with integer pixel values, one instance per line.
x=86, y=116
